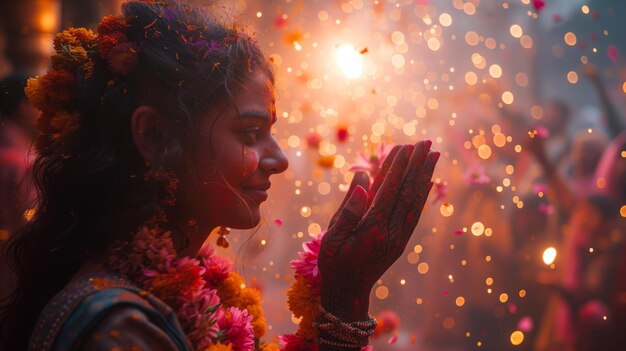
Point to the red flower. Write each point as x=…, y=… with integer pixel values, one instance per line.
x=111, y=24
x=292, y=342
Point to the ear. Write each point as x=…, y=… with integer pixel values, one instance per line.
x=149, y=134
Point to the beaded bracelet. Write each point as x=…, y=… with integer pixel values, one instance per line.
x=348, y=335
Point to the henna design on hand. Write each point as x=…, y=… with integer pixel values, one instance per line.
x=372, y=228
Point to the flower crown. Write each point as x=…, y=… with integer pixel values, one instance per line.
x=78, y=50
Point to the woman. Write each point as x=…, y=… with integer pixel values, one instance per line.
x=155, y=131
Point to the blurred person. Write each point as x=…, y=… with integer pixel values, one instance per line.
x=17, y=120
x=591, y=256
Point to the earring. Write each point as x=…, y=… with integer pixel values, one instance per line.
x=221, y=239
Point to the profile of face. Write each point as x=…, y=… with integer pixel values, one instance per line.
x=234, y=158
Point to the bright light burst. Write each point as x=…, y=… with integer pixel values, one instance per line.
x=349, y=61
x=549, y=255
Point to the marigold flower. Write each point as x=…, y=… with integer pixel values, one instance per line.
x=220, y=347
x=112, y=24
x=106, y=43
x=301, y=299
x=232, y=294
x=74, y=37
x=64, y=124
x=230, y=288
x=270, y=347
x=59, y=85
x=123, y=58
x=70, y=58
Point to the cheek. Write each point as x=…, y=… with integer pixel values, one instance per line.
x=250, y=163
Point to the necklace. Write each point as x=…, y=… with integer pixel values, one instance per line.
x=214, y=307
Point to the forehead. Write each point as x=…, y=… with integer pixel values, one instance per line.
x=256, y=93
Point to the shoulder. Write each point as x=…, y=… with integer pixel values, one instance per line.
x=126, y=327
x=100, y=304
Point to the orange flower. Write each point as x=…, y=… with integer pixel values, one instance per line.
x=230, y=288
x=70, y=58
x=220, y=347
x=106, y=43
x=74, y=37
x=301, y=300
x=306, y=328
x=123, y=58
x=50, y=90
x=232, y=294
x=270, y=347
x=58, y=86
x=64, y=124
x=35, y=92
x=112, y=24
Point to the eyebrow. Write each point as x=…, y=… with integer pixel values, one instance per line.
x=258, y=115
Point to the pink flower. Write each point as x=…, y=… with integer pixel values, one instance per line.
x=216, y=268
x=313, y=140
x=293, y=342
x=176, y=281
x=441, y=191
x=198, y=317
x=538, y=5
x=306, y=265
x=546, y=209
x=475, y=175
x=371, y=163
x=237, y=326
x=540, y=188
x=342, y=133
x=525, y=324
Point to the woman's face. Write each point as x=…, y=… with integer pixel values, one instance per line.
x=235, y=156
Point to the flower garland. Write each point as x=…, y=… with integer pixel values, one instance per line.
x=213, y=306
x=303, y=298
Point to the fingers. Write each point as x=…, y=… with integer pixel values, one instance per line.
x=360, y=179
x=348, y=218
x=387, y=194
x=378, y=181
x=423, y=185
x=414, y=170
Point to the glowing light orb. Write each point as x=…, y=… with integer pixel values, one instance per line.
x=549, y=255
x=349, y=61
x=517, y=337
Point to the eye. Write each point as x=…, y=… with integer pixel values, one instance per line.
x=251, y=135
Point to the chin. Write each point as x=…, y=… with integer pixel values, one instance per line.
x=249, y=218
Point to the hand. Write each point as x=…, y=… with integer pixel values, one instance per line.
x=372, y=228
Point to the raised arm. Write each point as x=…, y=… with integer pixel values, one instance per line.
x=614, y=120
x=369, y=233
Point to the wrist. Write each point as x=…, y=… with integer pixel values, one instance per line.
x=347, y=304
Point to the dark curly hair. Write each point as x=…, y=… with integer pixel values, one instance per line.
x=92, y=191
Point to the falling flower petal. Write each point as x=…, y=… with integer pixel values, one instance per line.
x=342, y=133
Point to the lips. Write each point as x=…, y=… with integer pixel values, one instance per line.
x=257, y=192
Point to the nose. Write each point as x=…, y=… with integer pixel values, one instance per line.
x=274, y=159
